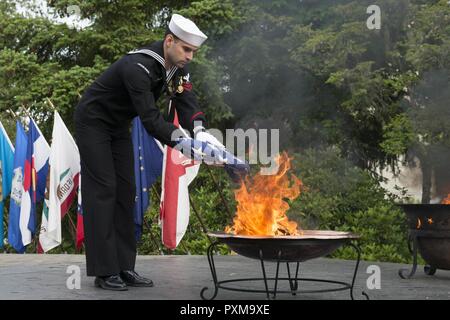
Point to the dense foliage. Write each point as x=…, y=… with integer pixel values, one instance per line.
x=346, y=99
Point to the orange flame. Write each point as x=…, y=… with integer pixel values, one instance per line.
x=261, y=208
x=446, y=200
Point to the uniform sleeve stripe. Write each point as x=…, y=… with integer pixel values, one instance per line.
x=143, y=67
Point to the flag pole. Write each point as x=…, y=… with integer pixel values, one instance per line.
x=49, y=102
x=205, y=230
x=74, y=228
x=156, y=192
x=220, y=191
x=26, y=110
x=149, y=226
x=12, y=114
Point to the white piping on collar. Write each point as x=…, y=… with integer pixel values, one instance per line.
x=158, y=58
x=171, y=73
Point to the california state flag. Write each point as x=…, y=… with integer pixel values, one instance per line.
x=174, y=210
x=63, y=182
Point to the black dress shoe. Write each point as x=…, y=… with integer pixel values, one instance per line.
x=131, y=278
x=113, y=282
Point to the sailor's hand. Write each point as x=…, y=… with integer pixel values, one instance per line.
x=192, y=149
x=207, y=137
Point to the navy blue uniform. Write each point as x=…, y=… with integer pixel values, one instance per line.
x=130, y=87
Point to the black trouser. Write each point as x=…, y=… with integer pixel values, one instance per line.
x=108, y=192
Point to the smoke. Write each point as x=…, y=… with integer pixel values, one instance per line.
x=267, y=89
x=429, y=111
x=265, y=92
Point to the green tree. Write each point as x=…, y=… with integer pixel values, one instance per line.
x=310, y=68
x=426, y=133
x=42, y=59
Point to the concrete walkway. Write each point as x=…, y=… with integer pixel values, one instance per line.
x=182, y=277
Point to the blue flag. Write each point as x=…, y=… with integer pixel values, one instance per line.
x=35, y=175
x=6, y=172
x=15, y=224
x=148, y=157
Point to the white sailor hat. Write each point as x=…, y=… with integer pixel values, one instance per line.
x=186, y=30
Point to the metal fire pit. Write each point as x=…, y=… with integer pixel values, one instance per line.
x=429, y=234
x=283, y=249
x=311, y=244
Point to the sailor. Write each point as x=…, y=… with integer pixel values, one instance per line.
x=130, y=87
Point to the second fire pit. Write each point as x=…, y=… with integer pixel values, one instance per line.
x=429, y=235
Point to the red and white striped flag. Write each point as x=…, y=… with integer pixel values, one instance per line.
x=174, y=209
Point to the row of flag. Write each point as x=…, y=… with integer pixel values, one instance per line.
x=33, y=171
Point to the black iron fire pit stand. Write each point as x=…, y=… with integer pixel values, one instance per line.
x=293, y=280
x=413, y=244
x=412, y=247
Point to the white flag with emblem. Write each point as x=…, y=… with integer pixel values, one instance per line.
x=62, y=184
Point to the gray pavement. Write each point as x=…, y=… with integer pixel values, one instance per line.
x=182, y=277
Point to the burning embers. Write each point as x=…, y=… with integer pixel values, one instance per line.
x=419, y=222
x=429, y=220
x=261, y=205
